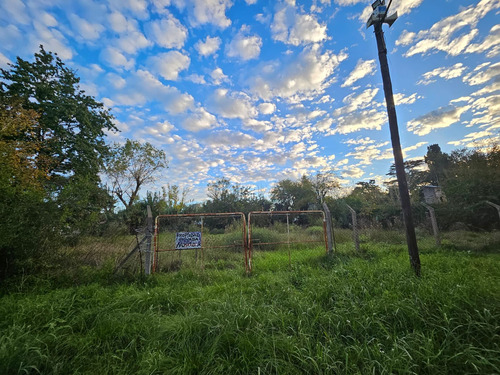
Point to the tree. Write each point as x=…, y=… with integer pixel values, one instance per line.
x=293, y=195
x=438, y=163
x=132, y=165
x=226, y=196
x=322, y=184
x=70, y=127
x=416, y=176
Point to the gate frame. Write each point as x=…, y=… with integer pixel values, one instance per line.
x=281, y=213
x=226, y=214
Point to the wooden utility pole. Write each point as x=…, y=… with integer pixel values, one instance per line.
x=377, y=19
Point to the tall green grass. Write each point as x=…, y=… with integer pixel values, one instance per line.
x=347, y=314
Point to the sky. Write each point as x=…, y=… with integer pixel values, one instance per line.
x=259, y=91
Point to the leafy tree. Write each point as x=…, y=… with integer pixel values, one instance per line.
x=438, y=163
x=51, y=148
x=131, y=166
x=29, y=218
x=70, y=127
x=294, y=195
x=226, y=196
x=322, y=184
x=416, y=176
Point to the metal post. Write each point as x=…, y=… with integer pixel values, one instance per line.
x=329, y=229
x=355, y=233
x=435, y=229
x=149, y=236
x=288, y=239
x=411, y=238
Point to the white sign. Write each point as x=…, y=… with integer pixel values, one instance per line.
x=187, y=240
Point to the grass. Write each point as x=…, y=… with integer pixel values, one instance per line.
x=348, y=314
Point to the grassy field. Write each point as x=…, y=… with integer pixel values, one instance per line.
x=347, y=314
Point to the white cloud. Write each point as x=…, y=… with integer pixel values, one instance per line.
x=52, y=40
x=196, y=78
x=369, y=119
x=114, y=58
x=86, y=29
x=440, y=118
x=306, y=74
x=490, y=43
x=169, y=64
x=361, y=70
x=209, y=46
x=267, y=108
x=10, y=37
x=367, y=151
x=142, y=87
x=4, y=61
x=483, y=76
x=357, y=101
x=292, y=28
x=15, y=11
x=209, y=12
x=243, y=46
x=218, y=76
x=401, y=99
x=442, y=72
x=160, y=132
x=232, y=105
x=442, y=35
x=199, y=120
x=167, y=32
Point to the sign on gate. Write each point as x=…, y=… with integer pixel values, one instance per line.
x=187, y=240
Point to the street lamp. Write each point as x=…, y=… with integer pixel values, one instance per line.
x=377, y=18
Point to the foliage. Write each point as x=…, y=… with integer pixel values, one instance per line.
x=132, y=165
x=288, y=195
x=51, y=147
x=226, y=196
x=69, y=130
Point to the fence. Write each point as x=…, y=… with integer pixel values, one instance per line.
x=278, y=238
x=212, y=240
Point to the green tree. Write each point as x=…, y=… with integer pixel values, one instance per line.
x=438, y=163
x=71, y=125
x=28, y=218
x=131, y=166
x=226, y=196
x=289, y=195
x=416, y=176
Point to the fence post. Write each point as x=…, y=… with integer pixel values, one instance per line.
x=355, y=233
x=435, y=229
x=329, y=229
x=494, y=205
x=149, y=235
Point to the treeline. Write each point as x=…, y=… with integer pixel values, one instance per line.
x=466, y=177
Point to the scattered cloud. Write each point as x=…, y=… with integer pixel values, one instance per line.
x=442, y=36
x=293, y=28
x=167, y=32
x=361, y=70
x=244, y=46
x=199, y=120
x=232, y=104
x=209, y=46
x=306, y=75
x=218, y=76
x=169, y=64
x=439, y=118
x=444, y=72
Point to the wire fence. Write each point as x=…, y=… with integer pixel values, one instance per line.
x=259, y=241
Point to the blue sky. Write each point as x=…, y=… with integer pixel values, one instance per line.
x=259, y=91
